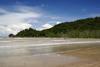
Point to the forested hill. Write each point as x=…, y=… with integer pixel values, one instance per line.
x=83, y=28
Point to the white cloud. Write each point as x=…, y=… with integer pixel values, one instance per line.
x=20, y=17
x=47, y=25
x=52, y=21
x=58, y=22
x=47, y=5
x=84, y=10
x=94, y=15
x=17, y=19
x=20, y=26
x=40, y=29
x=3, y=11
x=52, y=17
x=42, y=5
x=4, y=31
x=17, y=2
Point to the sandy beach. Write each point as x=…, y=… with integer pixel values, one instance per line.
x=89, y=57
x=92, y=56
x=51, y=53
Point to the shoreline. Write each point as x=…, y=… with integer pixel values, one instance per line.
x=91, y=54
x=79, y=52
x=63, y=41
x=89, y=57
x=51, y=37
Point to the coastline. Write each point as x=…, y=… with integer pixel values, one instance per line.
x=91, y=54
x=89, y=57
x=64, y=41
x=78, y=55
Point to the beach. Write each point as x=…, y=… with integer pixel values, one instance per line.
x=79, y=58
x=92, y=56
x=69, y=53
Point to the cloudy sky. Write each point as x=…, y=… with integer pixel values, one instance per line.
x=16, y=15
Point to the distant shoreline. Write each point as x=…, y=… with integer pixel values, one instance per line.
x=50, y=37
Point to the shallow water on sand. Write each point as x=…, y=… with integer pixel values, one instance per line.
x=41, y=52
x=34, y=46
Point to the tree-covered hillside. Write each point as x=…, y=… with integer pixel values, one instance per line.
x=83, y=28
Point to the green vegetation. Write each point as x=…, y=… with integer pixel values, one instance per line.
x=83, y=28
x=11, y=35
x=84, y=34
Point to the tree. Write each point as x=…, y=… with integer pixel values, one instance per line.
x=11, y=35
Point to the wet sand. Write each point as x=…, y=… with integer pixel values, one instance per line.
x=85, y=57
x=46, y=60
x=78, y=58
x=92, y=56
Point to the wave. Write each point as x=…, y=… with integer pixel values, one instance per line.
x=47, y=43
x=5, y=41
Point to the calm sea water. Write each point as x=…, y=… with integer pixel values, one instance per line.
x=34, y=46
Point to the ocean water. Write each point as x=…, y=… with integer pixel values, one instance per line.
x=35, y=46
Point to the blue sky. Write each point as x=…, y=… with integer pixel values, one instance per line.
x=16, y=15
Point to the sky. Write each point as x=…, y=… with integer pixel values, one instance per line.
x=16, y=15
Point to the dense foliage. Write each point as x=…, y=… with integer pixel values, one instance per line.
x=83, y=28
x=11, y=35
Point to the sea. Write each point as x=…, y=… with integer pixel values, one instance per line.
x=37, y=46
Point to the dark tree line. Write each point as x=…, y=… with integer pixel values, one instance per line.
x=83, y=28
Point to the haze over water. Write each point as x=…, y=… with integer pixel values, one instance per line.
x=35, y=46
